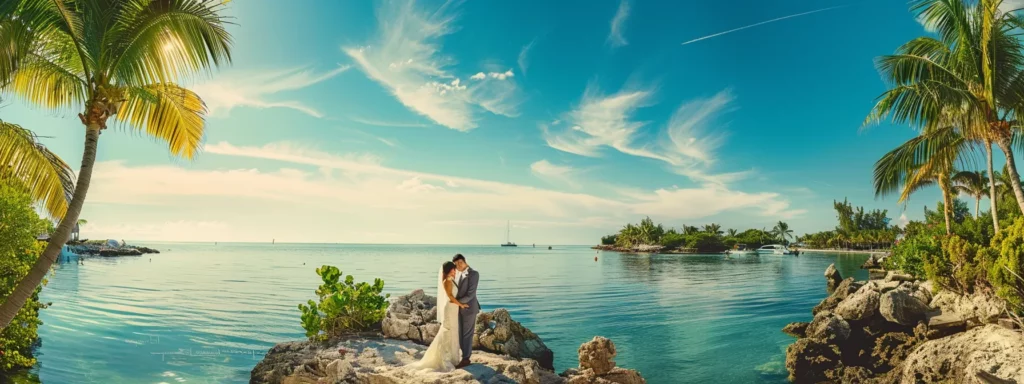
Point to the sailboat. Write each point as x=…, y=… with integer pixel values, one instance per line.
x=508, y=243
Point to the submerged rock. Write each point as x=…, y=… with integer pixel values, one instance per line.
x=994, y=350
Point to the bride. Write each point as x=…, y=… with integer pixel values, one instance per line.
x=443, y=353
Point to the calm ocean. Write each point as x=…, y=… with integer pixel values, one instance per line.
x=205, y=313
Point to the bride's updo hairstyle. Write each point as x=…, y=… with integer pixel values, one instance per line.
x=446, y=268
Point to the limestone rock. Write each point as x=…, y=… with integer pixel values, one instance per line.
x=807, y=360
x=891, y=349
x=412, y=317
x=829, y=328
x=992, y=349
x=900, y=307
x=985, y=308
x=796, y=329
x=860, y=305
x=496, y=332
x=597, y=366
x=832, y=276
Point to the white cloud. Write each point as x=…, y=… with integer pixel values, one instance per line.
x=406, y=58
x=382, y=123
x=494, y=75
x=686, y=144
x=615, y=37
x=1011, y=5
x=552, y=172
x=318, y=196
x=903, y=220
x=523, y=59
x=253, y=89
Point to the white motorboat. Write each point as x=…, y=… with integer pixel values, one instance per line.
x=741, y=249
x=774, y=249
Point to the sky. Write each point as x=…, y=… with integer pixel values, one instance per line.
x=436, y=122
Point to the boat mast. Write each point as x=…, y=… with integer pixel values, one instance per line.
x=508, y=227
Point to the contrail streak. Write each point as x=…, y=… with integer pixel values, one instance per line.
x=762, y=23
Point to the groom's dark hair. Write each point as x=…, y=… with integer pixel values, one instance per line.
x=458, y=256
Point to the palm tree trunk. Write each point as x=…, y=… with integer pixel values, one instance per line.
x=977, y=208
x=946, y=201
x=992, y=185
x=1011, y=168
x=27, y=286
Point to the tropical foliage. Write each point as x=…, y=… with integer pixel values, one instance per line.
x=343, y=307
x=706, y=238
x=19, y=225
x=103, y=59
x=857, y=229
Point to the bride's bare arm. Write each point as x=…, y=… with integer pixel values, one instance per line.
x=451, y=296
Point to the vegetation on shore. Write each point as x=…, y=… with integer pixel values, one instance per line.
x=858, y=229
x=710, y=238
x=343, y=307
x=19, y=226
x=119, y=60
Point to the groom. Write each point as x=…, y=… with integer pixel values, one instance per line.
x=465, y=282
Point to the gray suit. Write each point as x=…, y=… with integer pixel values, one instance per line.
x=466, y=294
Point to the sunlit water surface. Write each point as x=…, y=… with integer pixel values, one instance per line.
x=205, y=313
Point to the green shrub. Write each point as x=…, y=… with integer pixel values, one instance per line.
x=960, y=265
x=910, y=254
x=705, y=242
x=19, y=226
x=673, y=239
x=609, y=240
x=1007, y=270
x=344, y=307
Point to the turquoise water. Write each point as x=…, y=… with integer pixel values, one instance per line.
x=204, y=313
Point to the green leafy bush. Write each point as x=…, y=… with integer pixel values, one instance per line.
x=960, y=265
x=910, y=254
x=19, y=226
x=344, y=306
x=1007, y=270
x=609, y=240
x=705, y=242
x=673, y=239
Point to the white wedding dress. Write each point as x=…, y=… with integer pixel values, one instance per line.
x=443, y=353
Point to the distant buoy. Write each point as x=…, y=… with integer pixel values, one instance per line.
x=595, y=258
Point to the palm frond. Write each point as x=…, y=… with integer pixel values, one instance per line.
x=162, y=41
x=904, y=168
x=167, y=112
x=49, y=179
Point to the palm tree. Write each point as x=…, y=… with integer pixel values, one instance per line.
x=973, y=184
x=920, y=162
x=782, y=231
x=732, y=232
x=109, y=59
x=713, y=229
x=49, y=179
x=952, y=79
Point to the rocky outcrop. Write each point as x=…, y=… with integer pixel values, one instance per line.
x=496, y=332
x=413, y=317
x=885, y=331
x=107, y=251
x=995, y=352
x=832, y=277
x=597, y=366
x=900, y=306
x=373, y=359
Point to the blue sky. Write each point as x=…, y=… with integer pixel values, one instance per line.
x=434, y=122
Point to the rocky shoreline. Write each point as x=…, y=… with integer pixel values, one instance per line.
x=895, y=329
x=108, y=251
x=645, y=249
x=504, y=352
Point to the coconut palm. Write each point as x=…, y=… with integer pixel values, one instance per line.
x=969, y=77
x=782, y=231
x=49, y=179
x=732, y=232
x=713, y=229
x=920, y=162
x=973, y=184
x=109, y=59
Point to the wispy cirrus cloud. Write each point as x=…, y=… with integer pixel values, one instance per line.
x=524, y=56
x=257, y=89
x=686, y=143
x=559, y=174
x=406, y=58
x=761, y=23
x=615, y=36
